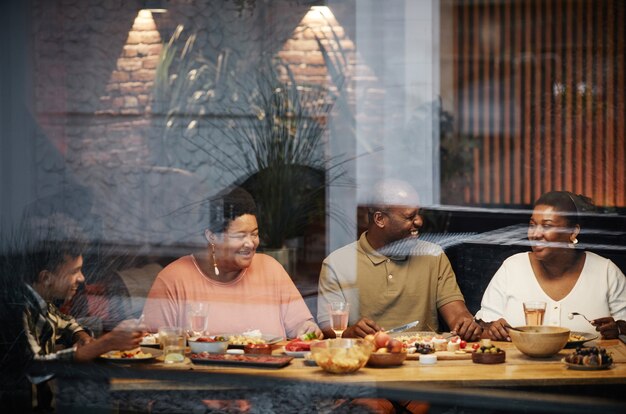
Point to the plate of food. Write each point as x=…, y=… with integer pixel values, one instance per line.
x=298, y=348
x=250, y=360
x=589, y=359
x=239, y=341
x=582, y=367
x=577, y=339
x=134, y=355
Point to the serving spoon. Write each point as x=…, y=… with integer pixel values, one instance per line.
x=571, y=316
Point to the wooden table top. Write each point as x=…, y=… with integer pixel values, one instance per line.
x=518, y=370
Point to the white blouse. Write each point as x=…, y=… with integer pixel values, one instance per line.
x=600, y=291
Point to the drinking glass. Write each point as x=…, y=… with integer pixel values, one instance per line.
x=534, y=311
x=172, y=340
x=339, y=313
x=198, y=318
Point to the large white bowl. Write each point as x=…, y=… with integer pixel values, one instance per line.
x=539, y=341
x=217, y=347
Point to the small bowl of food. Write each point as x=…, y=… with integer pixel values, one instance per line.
x=539, y=341
x=259, y=349
x=488, y=354
x=341, y=356
x=211, y=344
x=386, y=359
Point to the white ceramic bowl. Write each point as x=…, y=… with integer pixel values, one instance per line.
x=215, y=347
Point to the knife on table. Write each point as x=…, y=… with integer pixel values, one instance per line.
x=403, y=327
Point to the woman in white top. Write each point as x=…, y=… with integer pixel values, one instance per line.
x=567, y=279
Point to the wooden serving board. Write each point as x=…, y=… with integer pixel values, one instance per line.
x=444, y=356
x=618, y=351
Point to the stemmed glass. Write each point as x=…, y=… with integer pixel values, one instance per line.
x=339, y=313
x=198, y=317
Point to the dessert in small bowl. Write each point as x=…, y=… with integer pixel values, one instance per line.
x=539, y=341
x=341, y=356
x=211, y=344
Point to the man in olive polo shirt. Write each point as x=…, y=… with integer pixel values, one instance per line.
x=390, y=277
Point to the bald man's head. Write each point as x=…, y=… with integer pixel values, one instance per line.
x=393, y=212
x=392, y=193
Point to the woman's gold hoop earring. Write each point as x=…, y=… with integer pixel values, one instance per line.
x=573, y=243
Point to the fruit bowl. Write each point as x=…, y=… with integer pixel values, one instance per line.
x=208, y=344
x=387, y=359
x=341, y=356
x=539, y=341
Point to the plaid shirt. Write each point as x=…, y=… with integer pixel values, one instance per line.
x=46, y=326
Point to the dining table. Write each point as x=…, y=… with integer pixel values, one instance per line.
x=521, y=383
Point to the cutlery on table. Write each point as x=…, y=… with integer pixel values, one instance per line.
x=572, y=314
x=403, y=328
x=444, y=336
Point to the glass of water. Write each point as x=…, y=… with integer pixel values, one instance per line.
x=172, y=340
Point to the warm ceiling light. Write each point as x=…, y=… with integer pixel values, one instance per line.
x=154, y=6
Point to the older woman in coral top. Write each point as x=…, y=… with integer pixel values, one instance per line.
x=567, y=278
x=244, y=290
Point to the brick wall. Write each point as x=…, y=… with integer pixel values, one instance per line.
x=94, y=69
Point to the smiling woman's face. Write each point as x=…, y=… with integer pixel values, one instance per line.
x=236, y=247
x=548, y=231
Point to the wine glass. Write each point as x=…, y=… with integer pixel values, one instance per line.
x=339, y=313
x=198, y=318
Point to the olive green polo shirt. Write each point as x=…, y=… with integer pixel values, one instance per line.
x=391, y=290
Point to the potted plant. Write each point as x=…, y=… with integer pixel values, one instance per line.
x=259, y=128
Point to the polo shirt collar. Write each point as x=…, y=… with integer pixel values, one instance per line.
x=374, y=255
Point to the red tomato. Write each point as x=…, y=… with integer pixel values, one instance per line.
x=475, y=346
x=462, y=344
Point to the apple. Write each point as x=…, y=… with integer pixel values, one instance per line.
x=394, y=346
x=380, y=339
